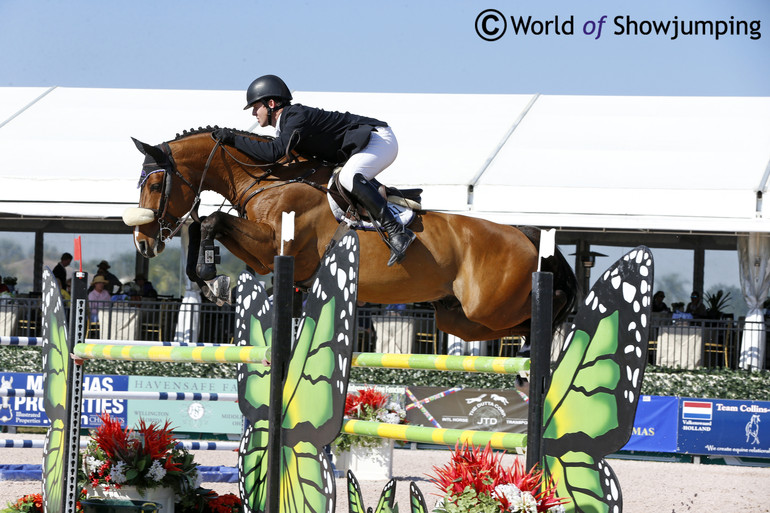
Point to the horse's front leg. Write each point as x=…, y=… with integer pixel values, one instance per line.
x=207, y=260
x=250, y=241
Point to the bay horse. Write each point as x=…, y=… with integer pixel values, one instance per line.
x=477, y=274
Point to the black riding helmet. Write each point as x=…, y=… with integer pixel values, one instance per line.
x=266, y=87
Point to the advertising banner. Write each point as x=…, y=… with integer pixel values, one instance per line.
x=190, y=416
x=466, y=408
x=29, y=411
x=655, y=425
x=724, y=427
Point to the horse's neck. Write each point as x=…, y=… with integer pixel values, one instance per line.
x=242, y=185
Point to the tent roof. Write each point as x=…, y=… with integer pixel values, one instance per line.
x=692, y=164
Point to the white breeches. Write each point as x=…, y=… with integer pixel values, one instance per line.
x=372, y=160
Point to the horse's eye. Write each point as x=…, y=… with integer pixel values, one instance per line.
x=155, y=187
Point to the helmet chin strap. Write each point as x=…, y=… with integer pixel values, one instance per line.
x=269, y=112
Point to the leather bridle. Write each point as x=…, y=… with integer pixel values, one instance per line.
x=170, y=224
x=167, y=222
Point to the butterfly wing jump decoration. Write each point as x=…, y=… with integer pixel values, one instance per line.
x=314, y=391
x=591, y=403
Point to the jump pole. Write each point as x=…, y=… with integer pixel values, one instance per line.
x=283, y=281
x=541, y=334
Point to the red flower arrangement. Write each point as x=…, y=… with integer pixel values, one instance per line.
x=146, y=457
x=369, y=404
x=227, y=503
x=32, y=503
x=475, y=480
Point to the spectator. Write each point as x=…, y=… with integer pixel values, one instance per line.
x=140, y=287
x=658, y=306
x=98, y=296
x=59, y=270
x=395, y=309
x=114, y=284
x=696, y=306
x=367, y=337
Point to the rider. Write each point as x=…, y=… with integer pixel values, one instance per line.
x=365, y=145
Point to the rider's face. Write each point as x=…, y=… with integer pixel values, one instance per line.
x=260, y=112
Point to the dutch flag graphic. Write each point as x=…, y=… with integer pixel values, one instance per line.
x=696, y=410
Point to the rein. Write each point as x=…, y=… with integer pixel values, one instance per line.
x=171, y=225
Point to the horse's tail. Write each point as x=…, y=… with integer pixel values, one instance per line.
x=565, y=285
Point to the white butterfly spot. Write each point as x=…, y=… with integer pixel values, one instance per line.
x=629, y=292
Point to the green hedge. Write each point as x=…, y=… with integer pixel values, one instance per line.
x=706, y=383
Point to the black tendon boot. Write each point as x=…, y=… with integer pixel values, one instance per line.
x=399, y=237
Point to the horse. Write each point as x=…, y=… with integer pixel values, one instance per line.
x=476, y=273
x=752, y=430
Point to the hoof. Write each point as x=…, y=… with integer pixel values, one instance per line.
x=206, y=271
x=218, y=290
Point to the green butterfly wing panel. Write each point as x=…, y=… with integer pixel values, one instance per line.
x=416, y=500
x=315, y=387
x=56, y=391
x=590, y=405
x=387, y=498
x=355, y=499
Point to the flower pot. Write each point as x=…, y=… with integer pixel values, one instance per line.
x=162, y=495
x=367, y=463
x=119, y=506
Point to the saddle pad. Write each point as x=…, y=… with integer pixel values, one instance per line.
x=404, y=215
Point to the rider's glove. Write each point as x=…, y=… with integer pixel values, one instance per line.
x=224, y=135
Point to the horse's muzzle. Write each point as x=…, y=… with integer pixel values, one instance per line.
x=138, y=216
x=148, y=250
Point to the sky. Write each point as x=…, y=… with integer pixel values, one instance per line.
x=590, y=47
x=397, y=46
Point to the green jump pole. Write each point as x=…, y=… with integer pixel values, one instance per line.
x=222, y=354
x=441, y=362
x=432, y=435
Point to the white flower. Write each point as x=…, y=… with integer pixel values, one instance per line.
x=93, y=464
x=118, y=473
x=559, y=508
x=199, y=481
x=388, y=417
x=156, y=472
x=529, y=503
x=524, y=502
x=509, y=491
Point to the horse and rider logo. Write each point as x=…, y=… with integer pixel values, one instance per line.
x=752, y=430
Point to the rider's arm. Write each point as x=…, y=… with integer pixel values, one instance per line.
x=271, y=151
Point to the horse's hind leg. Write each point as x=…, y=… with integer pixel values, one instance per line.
x=450, y=318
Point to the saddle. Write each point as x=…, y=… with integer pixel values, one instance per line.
x=402, y=203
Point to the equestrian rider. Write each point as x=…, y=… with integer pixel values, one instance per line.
x=365, y=145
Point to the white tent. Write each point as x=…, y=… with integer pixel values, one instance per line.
x=695, y=165
x=642, y=163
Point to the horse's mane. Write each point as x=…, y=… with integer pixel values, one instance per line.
x=208, y=129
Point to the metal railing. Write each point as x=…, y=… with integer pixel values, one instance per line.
x=680, y=343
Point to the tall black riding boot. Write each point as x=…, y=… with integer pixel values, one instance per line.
x=399, y=237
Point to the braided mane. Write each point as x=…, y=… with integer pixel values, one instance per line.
x=208, y=129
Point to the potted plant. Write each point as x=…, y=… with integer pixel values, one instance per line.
x=143, y=463
x=368, y=457
x=476, y=481
x=717, y=303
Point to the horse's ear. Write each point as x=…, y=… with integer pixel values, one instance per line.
x=149, y=149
